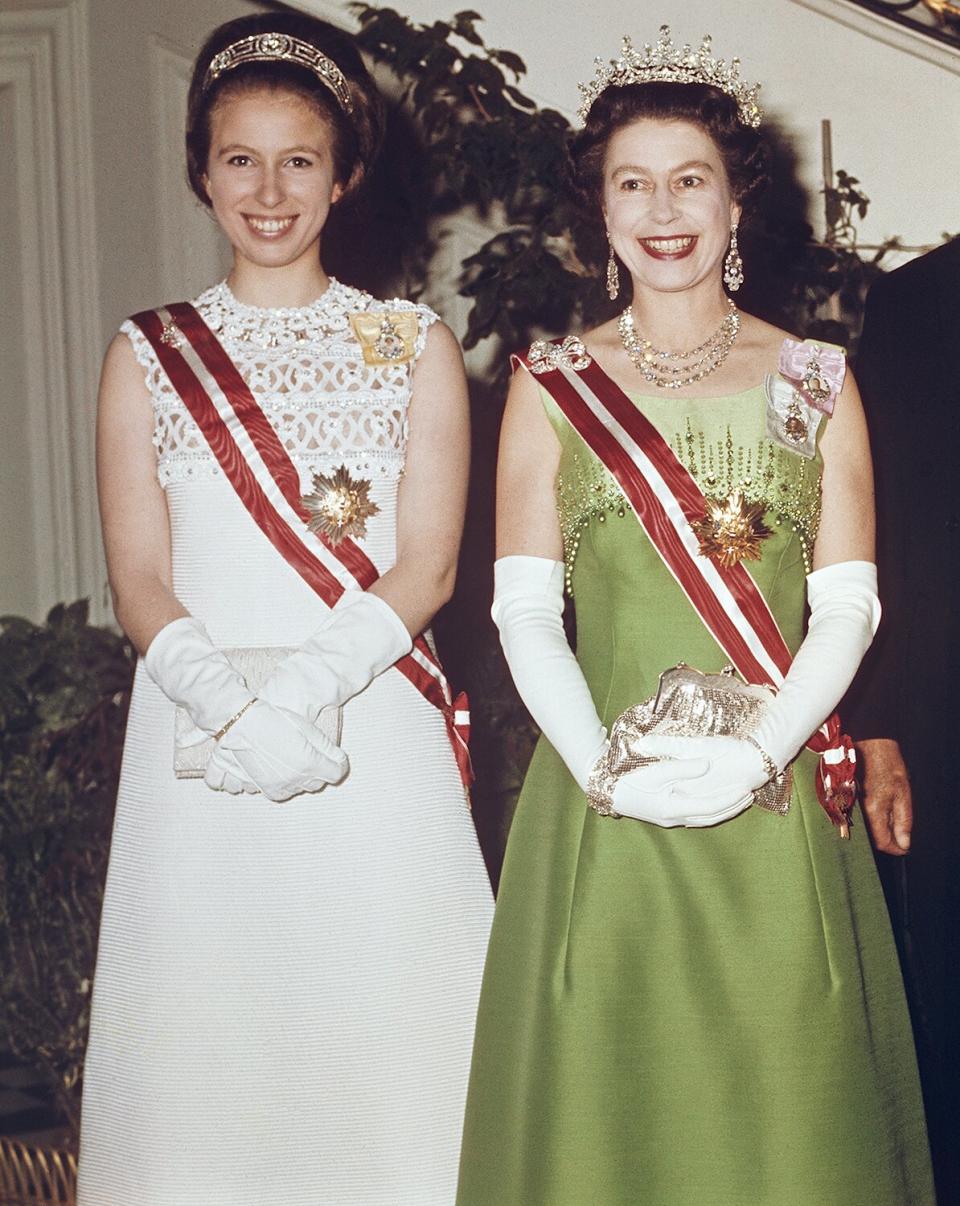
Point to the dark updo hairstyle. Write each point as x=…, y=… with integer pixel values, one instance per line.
x=356, y=135
x=741, y=148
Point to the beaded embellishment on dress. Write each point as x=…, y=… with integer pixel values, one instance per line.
x=784, y=485
x=306, y=368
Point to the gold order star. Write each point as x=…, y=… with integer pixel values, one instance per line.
x=732, y=530
x=339, y=505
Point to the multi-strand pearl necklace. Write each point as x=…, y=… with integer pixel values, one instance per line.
x=674, y=370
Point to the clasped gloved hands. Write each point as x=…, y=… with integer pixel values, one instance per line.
x=707, y=780
x=274, y=752
x=360, y=638
x=700, y=781
x=261, y=748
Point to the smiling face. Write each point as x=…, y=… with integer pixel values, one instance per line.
x=270, y=176
x=667, y=204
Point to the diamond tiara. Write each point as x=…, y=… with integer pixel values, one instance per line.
x=272, y=47
x=676, y=65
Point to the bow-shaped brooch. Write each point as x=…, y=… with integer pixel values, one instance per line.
x=545, y=356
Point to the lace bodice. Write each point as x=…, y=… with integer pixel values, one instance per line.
x=306, y=368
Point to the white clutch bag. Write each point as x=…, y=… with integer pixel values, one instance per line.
x=255, y=665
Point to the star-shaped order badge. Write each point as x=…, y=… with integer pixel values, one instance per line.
x=339, y=505
x=732, y=530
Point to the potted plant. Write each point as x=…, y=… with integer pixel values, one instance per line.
x=64, y=692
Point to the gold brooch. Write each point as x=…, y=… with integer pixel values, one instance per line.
x=732, y=530
x=171, y=336
x=339, y=505
x=386, y=336
x=545, y=356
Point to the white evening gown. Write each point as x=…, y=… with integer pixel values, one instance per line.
x=285, y=994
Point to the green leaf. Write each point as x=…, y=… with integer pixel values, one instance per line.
x=519, y=99
x=511, y=61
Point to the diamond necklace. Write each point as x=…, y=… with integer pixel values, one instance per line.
x=654, y=364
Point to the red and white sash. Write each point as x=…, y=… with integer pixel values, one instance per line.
x=267, y=482
x=666, y=500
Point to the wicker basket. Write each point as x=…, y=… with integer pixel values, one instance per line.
x=36, y=1176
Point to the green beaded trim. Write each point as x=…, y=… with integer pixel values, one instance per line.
x=787, y=485
x=585, y=491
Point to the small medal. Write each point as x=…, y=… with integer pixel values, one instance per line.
x=815, y=385
x=339, y=505
x=816, y=369
x=794, y=425
x=386, y=336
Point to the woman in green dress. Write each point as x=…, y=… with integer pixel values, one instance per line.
x=698, y=1003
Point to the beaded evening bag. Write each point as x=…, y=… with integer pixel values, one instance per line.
x=688, y=703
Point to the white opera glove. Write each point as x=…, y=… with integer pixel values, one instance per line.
x=844, y=615
x=360, y=638
x=710, y=779
x=274, y=751
x=528, y=611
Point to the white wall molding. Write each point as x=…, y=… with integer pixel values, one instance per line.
x=883, y=29
x=192, y=253
x=328, y=10
x=43, y=59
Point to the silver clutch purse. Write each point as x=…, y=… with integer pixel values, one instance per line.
x=688, y=703
x=255, y=665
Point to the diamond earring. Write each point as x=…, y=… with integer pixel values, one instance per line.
x=733, y=264
x=613, y=273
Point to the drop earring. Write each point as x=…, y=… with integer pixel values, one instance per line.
x=733, y=264
x=613, y=273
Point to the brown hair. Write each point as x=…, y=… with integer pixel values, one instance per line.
x=356, y=135
x=741, y=148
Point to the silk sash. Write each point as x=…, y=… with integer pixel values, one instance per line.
x=666, y=499
x=257, y=466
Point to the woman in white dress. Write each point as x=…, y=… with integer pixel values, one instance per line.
x=292, y=944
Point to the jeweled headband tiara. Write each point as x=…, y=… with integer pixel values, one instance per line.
x=273, y=47
x=678, y=65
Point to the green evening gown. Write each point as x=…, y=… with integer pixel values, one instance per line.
x=702, y=1017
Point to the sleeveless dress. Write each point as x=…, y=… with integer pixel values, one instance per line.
x=285, y=994
x=673, y=1017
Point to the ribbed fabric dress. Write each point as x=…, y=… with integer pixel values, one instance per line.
x=285, y=994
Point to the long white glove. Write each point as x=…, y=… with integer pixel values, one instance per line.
x=714, y=778
x=279, y=754
x=361, y=637
x=528, y=611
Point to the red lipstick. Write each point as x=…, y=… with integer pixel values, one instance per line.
x=676, y=247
